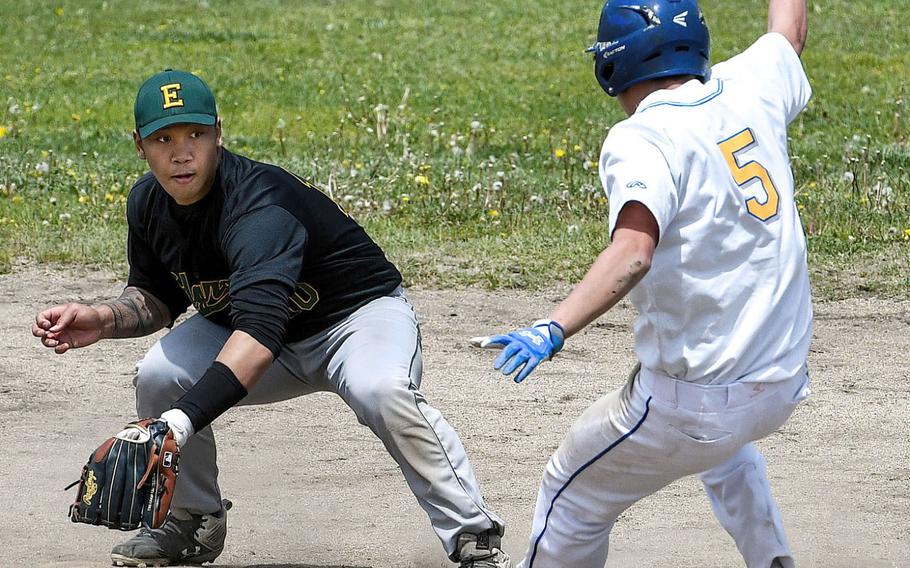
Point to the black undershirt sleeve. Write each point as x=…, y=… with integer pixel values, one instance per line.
x=264, y=249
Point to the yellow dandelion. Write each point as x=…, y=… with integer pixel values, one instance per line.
x=577, y=148
x=422, y=180
x=493, y=213
x=109, y=197
x=83, y=199
x=559, y=153
x=813, y=183
x=907, y=232
x=3, y=131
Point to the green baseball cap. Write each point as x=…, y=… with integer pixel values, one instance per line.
x=172, y=97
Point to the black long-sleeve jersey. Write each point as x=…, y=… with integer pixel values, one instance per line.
x=263, y=252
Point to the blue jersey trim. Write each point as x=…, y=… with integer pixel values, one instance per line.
x=701, y=101
x=578, y=472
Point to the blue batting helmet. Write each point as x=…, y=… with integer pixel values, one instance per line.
x=639, y=40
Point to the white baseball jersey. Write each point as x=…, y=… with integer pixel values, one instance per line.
x=727, y=297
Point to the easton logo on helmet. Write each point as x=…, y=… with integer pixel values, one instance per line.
x=651, y=45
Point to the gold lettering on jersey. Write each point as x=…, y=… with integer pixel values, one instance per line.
x=208, y=296
x=91, y=487
x=211, y=296
x=170, y=94
x=304, y=299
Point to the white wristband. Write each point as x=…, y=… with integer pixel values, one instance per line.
x=180, y=425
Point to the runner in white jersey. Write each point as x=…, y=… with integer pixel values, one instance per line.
x=707, y=242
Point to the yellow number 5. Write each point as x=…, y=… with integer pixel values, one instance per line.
x=742, y=174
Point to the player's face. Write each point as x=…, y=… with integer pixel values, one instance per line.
x=184, y=158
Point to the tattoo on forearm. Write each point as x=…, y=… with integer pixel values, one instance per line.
x=137, y=313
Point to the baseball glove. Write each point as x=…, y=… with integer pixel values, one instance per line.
x=129, y=480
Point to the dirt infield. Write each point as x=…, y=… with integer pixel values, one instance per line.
x=311, y=487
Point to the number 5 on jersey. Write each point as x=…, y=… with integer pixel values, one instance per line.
x=743, y=174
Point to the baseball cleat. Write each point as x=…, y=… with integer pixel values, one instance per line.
x=482, y=551
x=191, y=540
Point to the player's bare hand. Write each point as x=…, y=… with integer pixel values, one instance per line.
x=68, y=326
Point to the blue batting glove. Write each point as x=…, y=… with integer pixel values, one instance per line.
x=524, y=349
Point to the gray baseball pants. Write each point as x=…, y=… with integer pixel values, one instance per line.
x=645, y=435
x=372, y=360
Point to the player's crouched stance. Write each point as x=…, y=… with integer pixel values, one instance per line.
x=707, y=241
x=293, y=297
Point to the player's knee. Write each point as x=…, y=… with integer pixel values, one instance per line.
x=158, y=384
x=380, y=400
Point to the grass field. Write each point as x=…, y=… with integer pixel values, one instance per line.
x=462, y=134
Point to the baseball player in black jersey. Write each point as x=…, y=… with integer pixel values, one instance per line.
x=292, y=297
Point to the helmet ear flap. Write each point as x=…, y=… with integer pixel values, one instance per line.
x=604, y=72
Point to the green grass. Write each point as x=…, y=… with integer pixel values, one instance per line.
x=411, y=114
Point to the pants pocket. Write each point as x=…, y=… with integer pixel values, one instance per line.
x=691, y=450
x=699, y=436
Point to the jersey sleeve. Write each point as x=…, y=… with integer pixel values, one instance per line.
x=146, y=270
x=633, y=168
x=775, y=69
x=264, y=248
